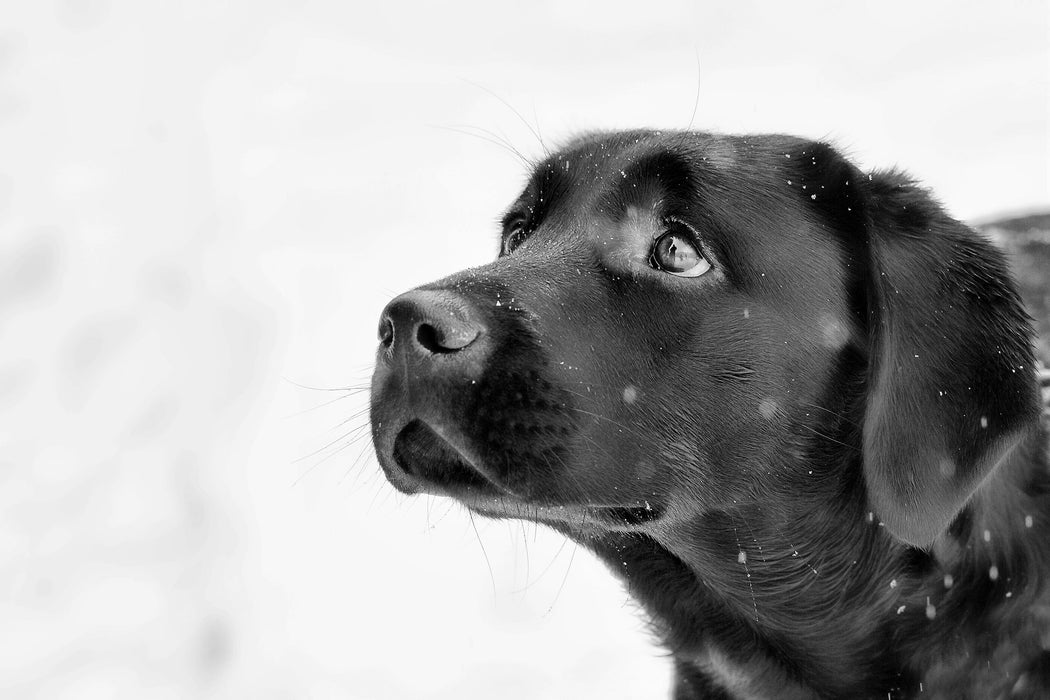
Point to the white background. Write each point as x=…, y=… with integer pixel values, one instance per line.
x=205, y=205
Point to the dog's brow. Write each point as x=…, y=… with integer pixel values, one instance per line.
x=671, y=169
x=662, y=175
x=548, y=181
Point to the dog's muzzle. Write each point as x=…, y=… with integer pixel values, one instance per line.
x=433, y=348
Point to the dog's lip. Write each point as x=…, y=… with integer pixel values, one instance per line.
x=452, y=439
x=490, y=497
x=603, y=516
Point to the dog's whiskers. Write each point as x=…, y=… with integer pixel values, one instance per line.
x=338, y=450
x=525, y=543
x=516, y=113
x=826, y=437
x=539, y=577
x=742, y=559
x=361, y=430
x=484, y=552
x=368, y=449
x=488, y=136
x=350, y=393
x=696, y=100
x=351, y=389
x=835, y=414
x=572, y=558
x=607, y=420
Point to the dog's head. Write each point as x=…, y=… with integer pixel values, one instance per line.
x=681, y=322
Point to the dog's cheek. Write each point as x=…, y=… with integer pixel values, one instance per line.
x=725, y=403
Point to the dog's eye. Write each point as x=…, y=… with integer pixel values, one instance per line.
x=513, y=236
x=674, y=252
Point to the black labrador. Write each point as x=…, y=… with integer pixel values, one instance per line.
x=793, y=405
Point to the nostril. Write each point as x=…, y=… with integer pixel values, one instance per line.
x=386, y=331
x=427, y=336
x=444, y=340
x=427, y=322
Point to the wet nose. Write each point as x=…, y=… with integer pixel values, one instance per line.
x=426, y=323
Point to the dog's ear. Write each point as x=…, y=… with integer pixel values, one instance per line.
x=951, y=385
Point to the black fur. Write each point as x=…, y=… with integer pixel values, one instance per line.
x=818, y=466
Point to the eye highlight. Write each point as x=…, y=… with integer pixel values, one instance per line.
x=513, y=236
x=675, y=253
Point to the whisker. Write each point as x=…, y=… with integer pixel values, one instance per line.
x=525, y=542
x=344, y=436
x=367, y=449
x=572, y=557
x=539, y=132
x=742, y=558
x=327, y=457
x=379, y=490
x=608, y=420
x=497, y=137
x=326, y=388
x=539, y=577
x=826, y=437
x=836, y=414
x=493, y=141
x=696, y=101
x=484, y=553
x=516, y=113
x=318, y=406
x=356, y=415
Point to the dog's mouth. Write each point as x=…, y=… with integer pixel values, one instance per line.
x=582, y=518
x=433, y=463
x=439, y=466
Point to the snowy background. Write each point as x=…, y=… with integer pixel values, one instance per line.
x=204, y=206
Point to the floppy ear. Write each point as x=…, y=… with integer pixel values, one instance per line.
x=952, y=386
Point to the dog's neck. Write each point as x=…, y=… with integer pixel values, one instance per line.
x=734, y=592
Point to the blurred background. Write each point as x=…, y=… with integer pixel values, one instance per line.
x=205, y=205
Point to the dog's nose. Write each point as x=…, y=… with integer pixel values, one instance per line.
x=427, y=322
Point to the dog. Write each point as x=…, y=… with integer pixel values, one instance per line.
x=794, y=406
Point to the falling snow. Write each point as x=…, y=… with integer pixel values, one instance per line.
x=768, y=408
x=946, y=467
x=834, y=333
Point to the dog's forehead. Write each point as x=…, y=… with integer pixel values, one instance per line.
x=612, y=156
x=745, y=187
x=752, y=198
x=608, y=171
